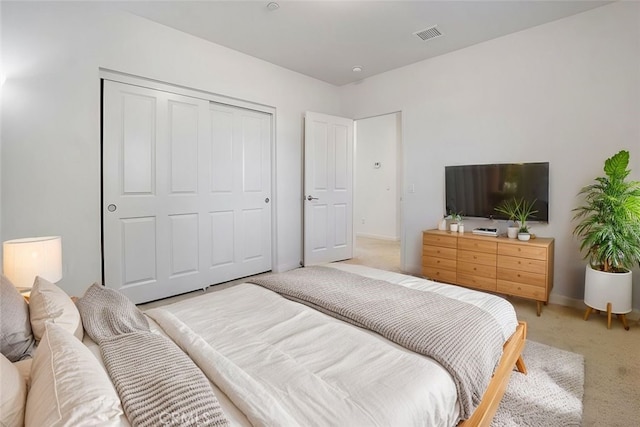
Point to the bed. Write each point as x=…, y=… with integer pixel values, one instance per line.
x=273, y=361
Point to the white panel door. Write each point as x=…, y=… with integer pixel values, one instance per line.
x=164, y=228
x=328, y=185
x=239, y=186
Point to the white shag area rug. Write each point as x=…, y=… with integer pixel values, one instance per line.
x=549, y=395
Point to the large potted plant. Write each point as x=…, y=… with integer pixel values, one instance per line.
x=609, y=230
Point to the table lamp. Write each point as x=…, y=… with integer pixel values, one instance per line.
x=24, y=259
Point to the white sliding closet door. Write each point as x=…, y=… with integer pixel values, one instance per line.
x=180, y=192
x=239, y=204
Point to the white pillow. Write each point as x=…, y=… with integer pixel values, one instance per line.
x=49, y=302
x=13, y=394
x=68, y=385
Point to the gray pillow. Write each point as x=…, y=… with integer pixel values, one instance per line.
x=16, y=339
x=106, y=313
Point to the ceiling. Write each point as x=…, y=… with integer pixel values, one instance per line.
x=326, y=39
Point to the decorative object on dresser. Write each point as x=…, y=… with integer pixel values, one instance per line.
x=511, y=208
x=609, y=230
x=525, y=211
x=442, y=225
x=495, y=264
x=456, y=220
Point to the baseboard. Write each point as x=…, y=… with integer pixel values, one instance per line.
x=580, y=305
x=379, y=237
x=566, y=301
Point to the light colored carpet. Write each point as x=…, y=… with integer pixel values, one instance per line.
x=550, y=395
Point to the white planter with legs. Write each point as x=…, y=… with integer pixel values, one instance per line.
x=601, y=288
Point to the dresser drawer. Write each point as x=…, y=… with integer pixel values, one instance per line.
x=523, y=250
x=524, y=264
x=439, y=240
x=477, y=282
x=439, y=275
x=439, y=263
x=519, y=276
x=477, y=257
x=521, y=290
x=439, y=252
x=477, y=269
x=477, y=245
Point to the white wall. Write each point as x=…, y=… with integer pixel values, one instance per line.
x=375, y=190
x=52, y=52
x=567, y=92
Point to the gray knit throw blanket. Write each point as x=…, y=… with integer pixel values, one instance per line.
x=463, y=338
x=157, y=382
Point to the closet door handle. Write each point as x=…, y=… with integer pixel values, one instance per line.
x=112, y=208
x=310, y=198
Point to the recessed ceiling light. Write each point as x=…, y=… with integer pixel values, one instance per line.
x=358, y=69
x=273, y=6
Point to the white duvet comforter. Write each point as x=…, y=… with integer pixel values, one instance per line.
x=282, y=363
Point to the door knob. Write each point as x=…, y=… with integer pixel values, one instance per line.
x=310, y=198
x=266, y=200
x=112, y=208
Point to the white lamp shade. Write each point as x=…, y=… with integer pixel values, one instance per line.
x=24, y=259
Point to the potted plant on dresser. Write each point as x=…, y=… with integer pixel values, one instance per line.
x=525, y=210
x=609, y=230
x=511, y=208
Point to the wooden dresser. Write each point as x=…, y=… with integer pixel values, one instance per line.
x=495, y=264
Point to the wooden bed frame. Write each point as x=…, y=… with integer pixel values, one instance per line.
x=511, y=356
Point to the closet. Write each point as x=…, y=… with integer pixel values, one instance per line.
x=186, y=190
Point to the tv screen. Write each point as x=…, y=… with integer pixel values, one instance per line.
x=475, y=190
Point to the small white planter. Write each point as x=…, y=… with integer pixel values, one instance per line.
x=453, y=227
x=601, y=288
x=524, y=236
x=512, y=232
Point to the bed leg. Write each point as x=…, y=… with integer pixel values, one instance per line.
x=520, y=365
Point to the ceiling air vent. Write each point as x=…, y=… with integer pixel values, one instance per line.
x=428, y=33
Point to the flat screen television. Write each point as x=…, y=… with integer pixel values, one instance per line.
x=475, y=190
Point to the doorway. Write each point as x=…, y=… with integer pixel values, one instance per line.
x=378, y=191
